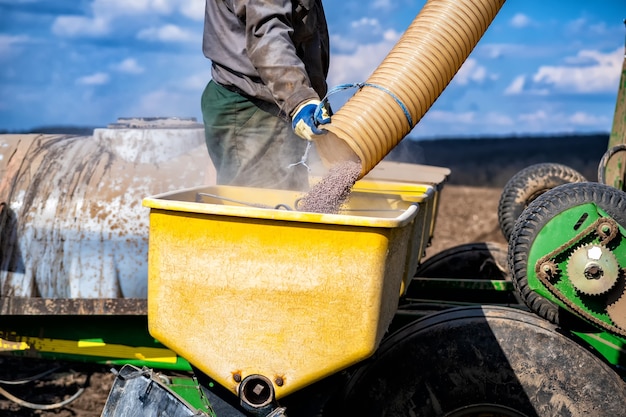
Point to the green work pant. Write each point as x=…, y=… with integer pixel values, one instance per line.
x=249, y=143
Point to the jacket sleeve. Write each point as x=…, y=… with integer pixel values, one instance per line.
x=269, y=29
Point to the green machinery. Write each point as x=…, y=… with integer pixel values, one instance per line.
x=535, y=329
x=567, y=249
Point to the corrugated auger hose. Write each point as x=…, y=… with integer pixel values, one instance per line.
x=406, y=84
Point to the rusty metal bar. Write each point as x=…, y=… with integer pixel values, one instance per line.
x=616, y=166
x=73, y=306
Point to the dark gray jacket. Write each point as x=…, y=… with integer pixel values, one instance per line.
x=274, y=50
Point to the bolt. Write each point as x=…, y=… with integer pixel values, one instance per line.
x=237, y=377
x=279, y=381
x=593, y=271
x=258, y=389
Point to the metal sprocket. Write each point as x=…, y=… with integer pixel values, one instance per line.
x=593, y=269
x=548, y=270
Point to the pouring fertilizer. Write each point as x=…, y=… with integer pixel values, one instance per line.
x=331, y=192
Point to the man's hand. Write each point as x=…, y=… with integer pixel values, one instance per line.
x=307, y=117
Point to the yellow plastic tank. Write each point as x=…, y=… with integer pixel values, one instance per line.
x=240, y=285
x=415, y=175
x=421, y=229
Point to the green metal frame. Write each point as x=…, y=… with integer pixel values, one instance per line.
x=105, y=340
x=557, y=231
x=114, y=340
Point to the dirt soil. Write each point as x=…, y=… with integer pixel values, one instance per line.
x=466, y=214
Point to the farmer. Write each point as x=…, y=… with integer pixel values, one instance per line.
x=269, y=66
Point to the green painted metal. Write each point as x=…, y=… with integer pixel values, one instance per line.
x=558, y=231
x=179, y=365
x=461, y=291
x=189, y=389
x=462, y=284
x=611, y=347
x=616, y=166
x=107, y=340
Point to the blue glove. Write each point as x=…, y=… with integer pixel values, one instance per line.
x=307, y=117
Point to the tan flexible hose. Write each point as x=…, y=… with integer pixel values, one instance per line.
x=407, y=82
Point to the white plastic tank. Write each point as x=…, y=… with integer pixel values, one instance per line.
x=71, y=220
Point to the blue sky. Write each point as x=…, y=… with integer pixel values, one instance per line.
x=543, y=67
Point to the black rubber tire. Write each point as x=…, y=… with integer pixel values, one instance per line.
x=472, y=361
x=526, y=186
x=537, y=215
x=605, y=160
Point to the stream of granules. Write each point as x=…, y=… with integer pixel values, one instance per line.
x=331, y=192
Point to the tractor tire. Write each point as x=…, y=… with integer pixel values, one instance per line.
x=526, y=186
x=482, y=361
x=537, y=215
x=605, y=160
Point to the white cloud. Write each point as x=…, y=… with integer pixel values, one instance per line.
x=391, y=35
x=435, y=122
x=601, y=75
x=193, y=9
x=167, y=103
x=9, y=42
x=585, y=119
x=114, y=8
x=129, y=66
x=517, y=51
x=358, y=65
x=590, y=57
x=342, y=44
x=471, y=71
x=498, y=119
x=469, y=118
x=542, y=120
x=167, y=33
x=74, y=26
x=517, y=86
x=494, y=50
x=196, y=82
x=382, y=4
x=98, y=78
x=368, y=23
x=520, y=20
x=104, y=14
x=367, y=30
x=539, y=121
x=585, y=27
x=539, y=116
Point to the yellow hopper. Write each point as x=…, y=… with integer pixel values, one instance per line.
x=242, y=285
